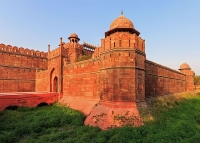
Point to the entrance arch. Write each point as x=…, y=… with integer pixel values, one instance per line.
x=51, y=79
x=55, y=84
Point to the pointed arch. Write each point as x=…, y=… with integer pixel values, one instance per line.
x=51, y=73
x=55, y=84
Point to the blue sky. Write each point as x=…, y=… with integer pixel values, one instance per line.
x=171, y=28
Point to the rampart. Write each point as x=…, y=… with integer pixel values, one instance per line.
x=82, y=79
x=162, y=80
x=18, y=68
x=42, y=81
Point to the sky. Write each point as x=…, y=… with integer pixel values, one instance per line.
x=171, y=28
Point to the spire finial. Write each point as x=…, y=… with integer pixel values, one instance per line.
x=122, y=12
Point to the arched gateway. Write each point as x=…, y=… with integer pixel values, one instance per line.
x=55, y=84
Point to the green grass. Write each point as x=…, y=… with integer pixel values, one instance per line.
x=177, y=121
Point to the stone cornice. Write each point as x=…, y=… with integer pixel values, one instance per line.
x=123, y=49
x=164, y=76
x=133, y=67
x=9, y=66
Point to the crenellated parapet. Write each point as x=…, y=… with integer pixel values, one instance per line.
x=22, y=51
x=54, y=53
x=96, y=53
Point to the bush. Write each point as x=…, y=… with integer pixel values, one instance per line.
x=84, y=57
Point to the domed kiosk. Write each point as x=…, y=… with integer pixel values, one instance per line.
x=122, y=24
x=184, y=66
x=74, y=38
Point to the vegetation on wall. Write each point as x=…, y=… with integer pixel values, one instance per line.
x=84, y=57
x=177, y=121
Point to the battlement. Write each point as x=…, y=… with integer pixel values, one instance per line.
x=22, y=51
x=54, y=53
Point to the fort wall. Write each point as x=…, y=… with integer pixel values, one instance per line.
x=82, y=79
x=42, y=81
x=15, y=79
x=18, y=67
x=162, y=80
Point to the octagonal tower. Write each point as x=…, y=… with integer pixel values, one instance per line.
x=73, y=48
x=123, y=57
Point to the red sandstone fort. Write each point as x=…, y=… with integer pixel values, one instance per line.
x=107, y=85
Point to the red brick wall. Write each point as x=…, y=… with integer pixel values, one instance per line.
x=163, y=80
x=16, y=79
x=18, y=67
x=53, y=68
x=82, y=79
x=42, y=81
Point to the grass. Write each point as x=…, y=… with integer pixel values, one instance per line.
x=175, y=121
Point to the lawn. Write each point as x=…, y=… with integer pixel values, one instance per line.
x=179, y=121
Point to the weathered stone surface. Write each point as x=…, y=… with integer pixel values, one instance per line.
x=108, y=115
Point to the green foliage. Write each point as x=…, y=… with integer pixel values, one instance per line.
x=179, y=123
x=196, y=80
x=84, y=57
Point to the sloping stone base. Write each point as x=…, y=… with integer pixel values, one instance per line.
x=85, y=105
x=108, y=115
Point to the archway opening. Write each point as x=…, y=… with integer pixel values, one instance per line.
x=42, y=104
x=11, y=108
x=51, y=84
x=55, y=84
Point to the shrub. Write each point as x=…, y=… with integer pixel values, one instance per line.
x=84, y=57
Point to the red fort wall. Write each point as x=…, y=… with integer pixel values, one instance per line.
x=161, y=80
x=18, y=68
x=82, y=79
x=44, y=78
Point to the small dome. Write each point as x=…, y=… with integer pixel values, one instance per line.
x=74, y=35
x=121, y=22
x=184, y=66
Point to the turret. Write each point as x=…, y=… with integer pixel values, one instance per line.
x=185, y=69
x=122, y=56
x=73, y=38
x=73, y=47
